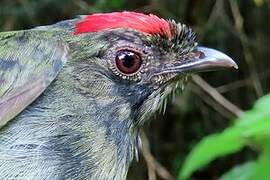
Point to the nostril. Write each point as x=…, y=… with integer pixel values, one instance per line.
x=199, y=55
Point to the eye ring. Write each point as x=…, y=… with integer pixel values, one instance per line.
x=128, y=62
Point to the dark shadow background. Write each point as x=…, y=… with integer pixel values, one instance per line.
x=240, y=28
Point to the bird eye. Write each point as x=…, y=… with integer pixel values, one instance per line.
x=128, y=62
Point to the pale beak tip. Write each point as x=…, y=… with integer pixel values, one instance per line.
x=233, y=64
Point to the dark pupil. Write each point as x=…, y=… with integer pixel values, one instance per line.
x=127, y=59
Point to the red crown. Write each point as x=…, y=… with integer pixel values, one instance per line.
x=149, y=24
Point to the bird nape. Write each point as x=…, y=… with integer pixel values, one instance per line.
x=74, y=95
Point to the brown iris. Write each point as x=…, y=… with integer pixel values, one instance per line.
x=127, y=61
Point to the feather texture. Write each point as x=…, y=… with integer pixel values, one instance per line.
x=149, y=24
x=29, y=62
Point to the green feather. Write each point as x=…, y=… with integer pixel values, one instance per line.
x=29, y=61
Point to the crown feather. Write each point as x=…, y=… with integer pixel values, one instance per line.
x=150, y=24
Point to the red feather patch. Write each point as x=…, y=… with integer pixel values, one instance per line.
x=149, y=24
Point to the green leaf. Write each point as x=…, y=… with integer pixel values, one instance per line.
x=251, y=170
x=211, y=147
x=262, y=167
x=263, y=142
x=241, y=172
x=254, y=127
x=263, y=103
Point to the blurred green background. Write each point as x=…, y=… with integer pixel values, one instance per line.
x=240, y=28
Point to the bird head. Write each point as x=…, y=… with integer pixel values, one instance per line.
x=140, y=59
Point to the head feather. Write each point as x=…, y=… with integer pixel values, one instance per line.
x=149, y=24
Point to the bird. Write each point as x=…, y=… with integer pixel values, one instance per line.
x=75, y=95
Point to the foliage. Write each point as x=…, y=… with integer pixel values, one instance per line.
x=253, y=130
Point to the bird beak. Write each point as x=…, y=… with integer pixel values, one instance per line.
x=207, y=59
x=203, y=59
